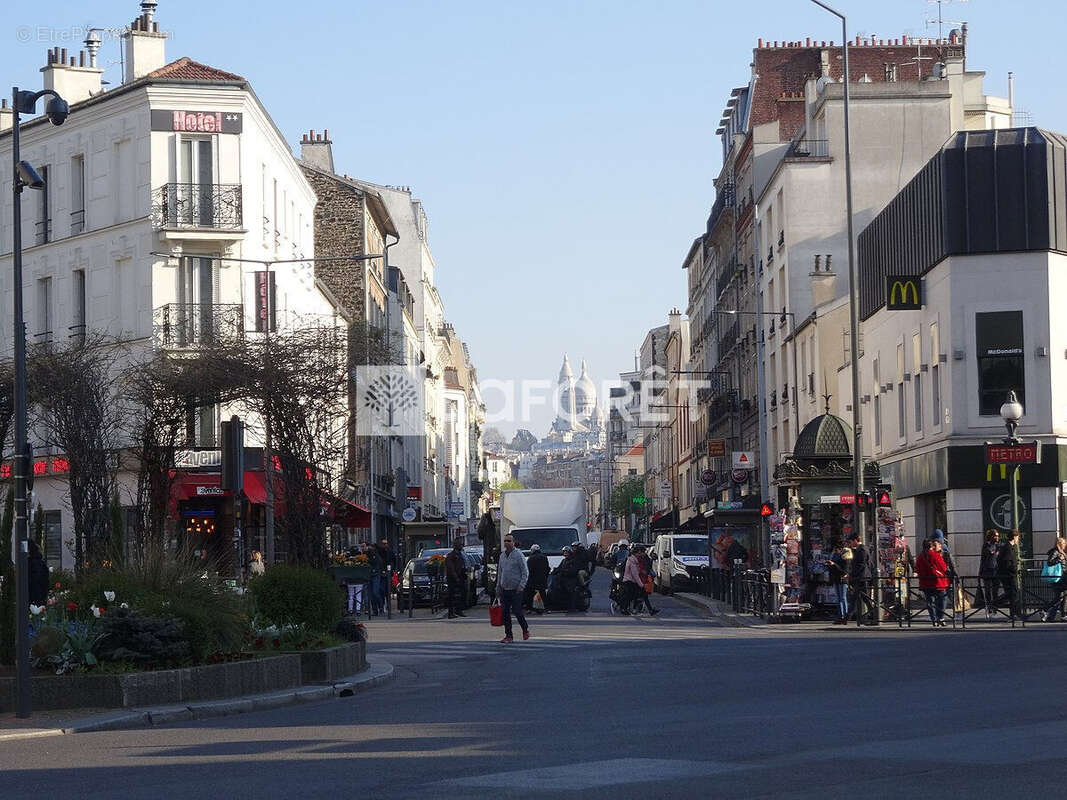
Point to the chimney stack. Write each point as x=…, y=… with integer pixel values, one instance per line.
x=145, y=44
x=6, y=115
x=823, y=283
x=316, y=150
x=70, y=77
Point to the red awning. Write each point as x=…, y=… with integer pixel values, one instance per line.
x=198, y=485
x=345, y=513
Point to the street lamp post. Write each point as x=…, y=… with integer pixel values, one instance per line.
x=853, y=304
x=23, y=175
x=1011, y=412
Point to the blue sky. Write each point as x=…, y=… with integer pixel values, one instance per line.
x=564, y=150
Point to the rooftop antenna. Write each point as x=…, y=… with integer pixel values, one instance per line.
x=940, y=20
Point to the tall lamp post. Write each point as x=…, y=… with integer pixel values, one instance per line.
x=853, y=303
x=23, y=175
x=1011, y=412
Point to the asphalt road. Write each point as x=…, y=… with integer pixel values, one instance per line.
x=672, y=706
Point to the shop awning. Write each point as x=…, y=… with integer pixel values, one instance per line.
x=345, y=513
x=198, y=485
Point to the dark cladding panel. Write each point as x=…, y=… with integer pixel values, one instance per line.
x=988, y=191
x=1012, y=197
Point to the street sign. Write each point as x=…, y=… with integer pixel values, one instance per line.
x=1021, y=453
x=740, y=475
x=716, y=448
x=744, y=459
x=903, y=293
x=408, y=515
x=709, y=477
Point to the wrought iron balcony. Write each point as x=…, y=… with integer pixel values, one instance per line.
x=214, y=206
x=809, y=148
x=188, y=325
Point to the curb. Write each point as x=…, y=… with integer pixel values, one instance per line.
x=728, y=618
x=375, y=674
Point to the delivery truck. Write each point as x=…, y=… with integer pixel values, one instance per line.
x=551, y=518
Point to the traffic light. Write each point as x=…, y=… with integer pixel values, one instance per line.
x=766, y=510
x=863, y=500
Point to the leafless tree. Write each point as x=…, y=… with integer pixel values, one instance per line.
x=77, y=408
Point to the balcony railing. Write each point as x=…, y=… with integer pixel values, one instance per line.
x=809, y=148
x=198, y=205
x=77, y=222
x=180, y=325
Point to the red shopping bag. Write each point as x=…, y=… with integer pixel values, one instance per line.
x=496, y=614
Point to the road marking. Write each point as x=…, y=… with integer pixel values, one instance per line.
x=594, y=774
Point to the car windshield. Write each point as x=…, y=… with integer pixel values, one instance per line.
x=690, y=546
x=417, y=566
x=552, y=540
x=434, y=551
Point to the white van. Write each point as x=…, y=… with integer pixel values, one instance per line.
x=678, y=560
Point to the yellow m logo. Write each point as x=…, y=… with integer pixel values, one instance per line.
x=903, y=293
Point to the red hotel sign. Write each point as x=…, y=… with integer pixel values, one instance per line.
x=1022, y=453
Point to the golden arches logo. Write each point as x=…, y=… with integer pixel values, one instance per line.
x=904, y=288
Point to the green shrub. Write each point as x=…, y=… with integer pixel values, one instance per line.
x=213, y=617
x=131, y=637
x=300, y=596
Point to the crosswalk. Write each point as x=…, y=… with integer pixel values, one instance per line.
x=540, y=643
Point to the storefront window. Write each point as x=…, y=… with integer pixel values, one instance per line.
x=999, y=337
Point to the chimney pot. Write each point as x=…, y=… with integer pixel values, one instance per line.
x=759, y=42
x=807, y=41
x=326, y=134
x=63, y=55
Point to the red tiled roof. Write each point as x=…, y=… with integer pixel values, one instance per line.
x=636, y=450
x=186, y=68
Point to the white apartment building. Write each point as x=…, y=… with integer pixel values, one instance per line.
x=988, y=270
x=154, y=189
x=896, y=126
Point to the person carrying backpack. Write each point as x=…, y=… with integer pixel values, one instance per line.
x=1057, y=556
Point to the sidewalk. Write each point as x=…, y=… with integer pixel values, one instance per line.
x=55, y=723
x=724, y=613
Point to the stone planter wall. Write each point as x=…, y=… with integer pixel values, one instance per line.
x=190, y=684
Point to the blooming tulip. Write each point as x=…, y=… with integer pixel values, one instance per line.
x=97, y=611
x=124, y=605
x=72, y=607
x=109, y=596
x=35, y=610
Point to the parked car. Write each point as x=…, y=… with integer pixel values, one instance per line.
x=417, y=586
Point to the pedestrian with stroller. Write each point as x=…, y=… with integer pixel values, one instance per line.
x=933, y=580
x=632, y=582
x=647, y=573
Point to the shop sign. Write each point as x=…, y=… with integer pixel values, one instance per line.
x=744, y=459
x=455, y=509
x=709, y=477
x=838, y=499
x=740, y=475
x=730, y=505
x=408, y=515
x=716, y=448
x=193, y=459
x=665, y=491
x=1022, y=453
x=903, y=293
x=209, y=491
x=196, y=121
x=414, y=493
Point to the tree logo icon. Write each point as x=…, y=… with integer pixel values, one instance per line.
x=389, y=402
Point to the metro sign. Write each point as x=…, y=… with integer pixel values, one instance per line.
x=1022, y=453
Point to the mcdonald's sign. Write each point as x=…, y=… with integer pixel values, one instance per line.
x=903, y=293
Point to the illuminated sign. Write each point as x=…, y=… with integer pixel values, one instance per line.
x=1022, y=453
x=903, y=293
x=196, y=121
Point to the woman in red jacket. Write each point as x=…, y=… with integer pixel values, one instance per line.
x=933, y=580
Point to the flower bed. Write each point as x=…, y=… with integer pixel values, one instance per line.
x=190, y=684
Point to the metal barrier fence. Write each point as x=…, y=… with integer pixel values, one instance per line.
x=969, y=599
